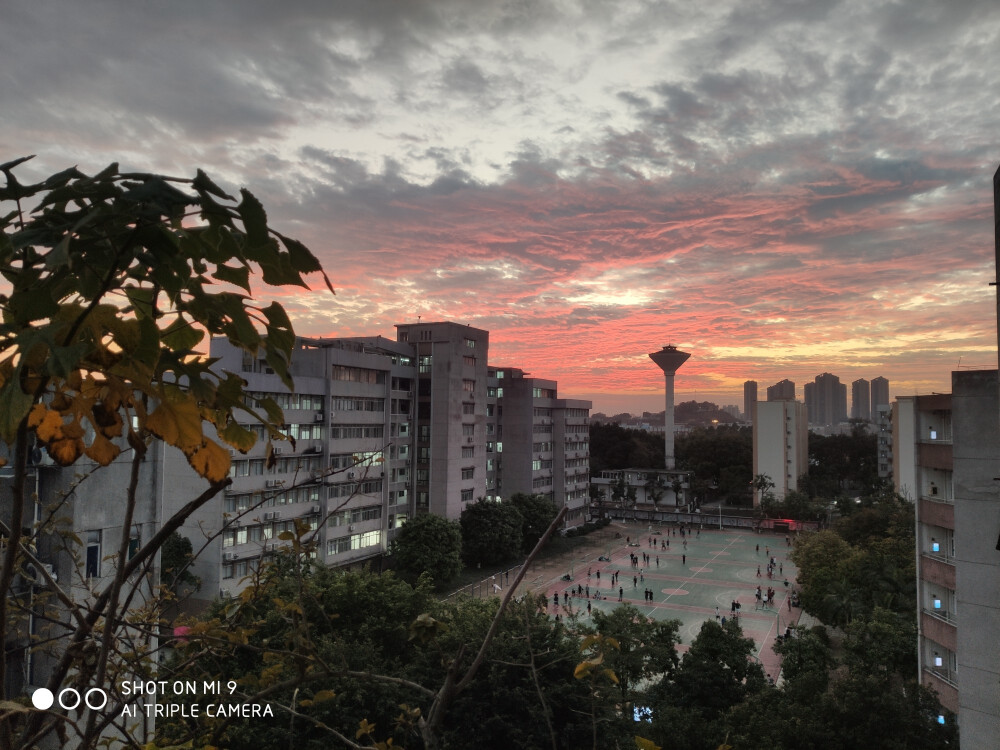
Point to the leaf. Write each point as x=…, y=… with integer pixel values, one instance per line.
x=14, y=406
x=643, y=744
x=210, y=461
x=239, y=437
x=324, y=695
x=181, y=335
x=203, y=182
x=177, y=421
x=66, y=450
x=364, y=729
x=102, y=450
x=239, y=276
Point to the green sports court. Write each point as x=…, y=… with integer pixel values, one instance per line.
x=689, y=577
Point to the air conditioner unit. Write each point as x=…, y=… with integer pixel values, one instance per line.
x=276, y=515
x=276, y=452
x=316, y=473
x=269, y=516
x=350, y=475
x=273, y=483
x=233, y=453
x=33, y=576
x=350, y=528
x=471, y=440
x=224, y=594
x=319, y=416
x=230, y=556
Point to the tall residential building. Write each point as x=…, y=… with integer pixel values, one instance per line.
x=883, y=432
x=861, y=399
x=976, y=450
x=782, y=390
x=923, y=467
x=826, y=400
x=780, y=444
x=879, y=393
x=749, y=399
x=388, y=429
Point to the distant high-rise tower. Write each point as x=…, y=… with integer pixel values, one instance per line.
x=669, y=359
x=781, y=391
x=861, y=400
x=880, y=393
x=826, y=400
x=749, y=399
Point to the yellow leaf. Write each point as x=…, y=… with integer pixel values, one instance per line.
x=643, y=744
x=324, y=695
x=582, y=670
x=364, y=729
x=177, y=421
x=210, y=461
x=65, y=451
x=102, y=450
x=47, y=423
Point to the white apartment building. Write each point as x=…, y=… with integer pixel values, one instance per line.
x=780, y=444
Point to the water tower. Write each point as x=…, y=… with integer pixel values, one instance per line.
x=669, y=359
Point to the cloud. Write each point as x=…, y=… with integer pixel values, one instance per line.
x=784, y=188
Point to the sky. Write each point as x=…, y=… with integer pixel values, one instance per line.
x=779, y=188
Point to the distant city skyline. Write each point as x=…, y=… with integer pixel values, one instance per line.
x=781, y=190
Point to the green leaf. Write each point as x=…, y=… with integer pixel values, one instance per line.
x=14, y=406
x=202, y=183
x=239, y=276
x=254, y=222
x=181, y=335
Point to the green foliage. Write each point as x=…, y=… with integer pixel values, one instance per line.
x=721, y=460
x=112, y=285
x=491, y=532
x=176, y=556
x=646, y=650
x=537, y=512
x=842, y=465
x=616, y=447
x=429, y=544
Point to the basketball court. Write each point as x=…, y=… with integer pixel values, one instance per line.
x=689, y=577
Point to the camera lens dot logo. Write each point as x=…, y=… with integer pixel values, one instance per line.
x=69, y=699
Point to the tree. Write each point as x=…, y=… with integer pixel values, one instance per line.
x=429, y=544
x=491, y=532
x=647, y=648
x=537, y=512
x=114, y=279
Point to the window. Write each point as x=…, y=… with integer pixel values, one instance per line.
x=468, y=408
x=468, y=386
x=468, y=451
x=467, y=495
x=424, y=363
x=468, y=430
x=358, y=374
x=93, y=563
x=470, y=361
x=470, y=343
x=468, y=472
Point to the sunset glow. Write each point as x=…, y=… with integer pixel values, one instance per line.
x=780, y=190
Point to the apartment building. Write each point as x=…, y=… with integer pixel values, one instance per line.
x=385, y=429
x=780, y=444
x=923, y=471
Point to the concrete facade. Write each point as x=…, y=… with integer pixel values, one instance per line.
x=976, y=553
x=923, y=472
x=782, y=390
x=861, y=399
x=780, y=444
x=749, y=399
